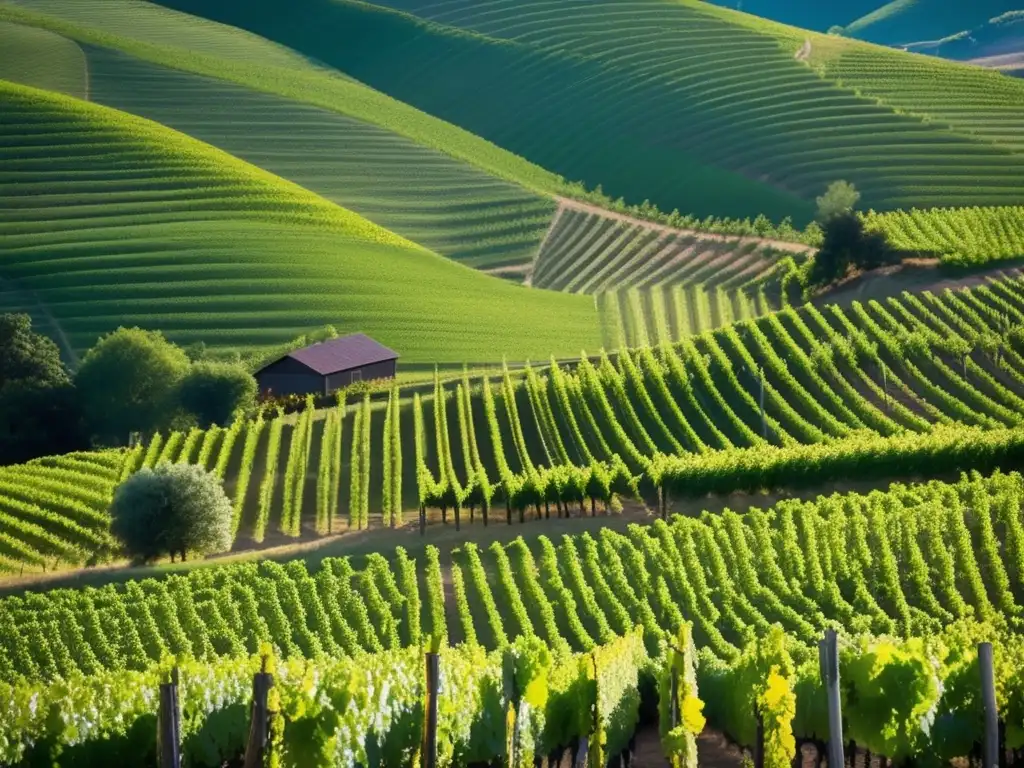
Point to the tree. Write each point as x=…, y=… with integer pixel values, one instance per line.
x=28, y=357
x=127, y=383
x=840, y=197
x=172, y=510
x=213, y=392
x=39, y=413
x=847, y=244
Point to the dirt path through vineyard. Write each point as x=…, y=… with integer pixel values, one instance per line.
x=779, y=245
x=444, y=537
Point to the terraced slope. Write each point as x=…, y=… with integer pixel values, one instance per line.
x=978, y=103
x=152, y=25
x=809, y=14
x=110, y=220
x=166, y=38
x=717, y=113
x=42, y=59
x=422, y=194
x=666, y=283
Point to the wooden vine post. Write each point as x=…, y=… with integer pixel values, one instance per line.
x=988, y=699
x=259, y=724
x=764, y=419
x=674, y=714
x=828, y=658
x=429, y=750
x=423, y=519
x=169, y=724
x=758, y=739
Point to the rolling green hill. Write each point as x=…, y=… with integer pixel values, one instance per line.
x=111, y=220
x=979, y=104
x=420, y=193
x=688, y=104
x=809, y=14
x=427, y=195
x=42, y=59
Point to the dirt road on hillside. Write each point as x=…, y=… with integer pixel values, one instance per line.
x=565, y=203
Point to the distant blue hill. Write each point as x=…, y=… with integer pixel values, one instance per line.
x=955, y=29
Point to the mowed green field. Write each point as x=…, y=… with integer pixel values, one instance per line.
x=688, y=104
x=42, y=59
x=970, y=101
x=429, y=197
x=422, y=194
x=192, y=44
x=110, y=220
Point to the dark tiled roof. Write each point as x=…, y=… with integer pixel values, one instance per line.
x=343, y=353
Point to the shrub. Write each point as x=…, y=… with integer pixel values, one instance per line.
x=847, y=245
x=172, y=510
x=127, y=382
x=215, y=392
x=840, y=197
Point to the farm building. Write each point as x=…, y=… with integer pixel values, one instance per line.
x=321, y=368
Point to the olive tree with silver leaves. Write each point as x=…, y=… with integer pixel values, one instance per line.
x=173, y=510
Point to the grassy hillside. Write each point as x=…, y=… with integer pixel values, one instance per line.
x=155, y=34
x=979, y=104
x=548, y=105
x=691, y=105
x=111, y=220
x=420, y=193
x=42, y=59
x=809, y=14
x=439, y=201
x=150, y=25
x=893, y=22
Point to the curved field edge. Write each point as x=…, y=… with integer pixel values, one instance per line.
x=423, y=305
x=203, y=156
x=893, y=78
x=42, y=59
x=331, y=92
x=959, y=237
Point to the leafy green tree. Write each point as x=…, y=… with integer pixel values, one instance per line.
x=214, y=392
x=39, y=413
x=128, y=383
x=847, y=245
x=840, y=198
x=26, y=356
x=172, y=510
